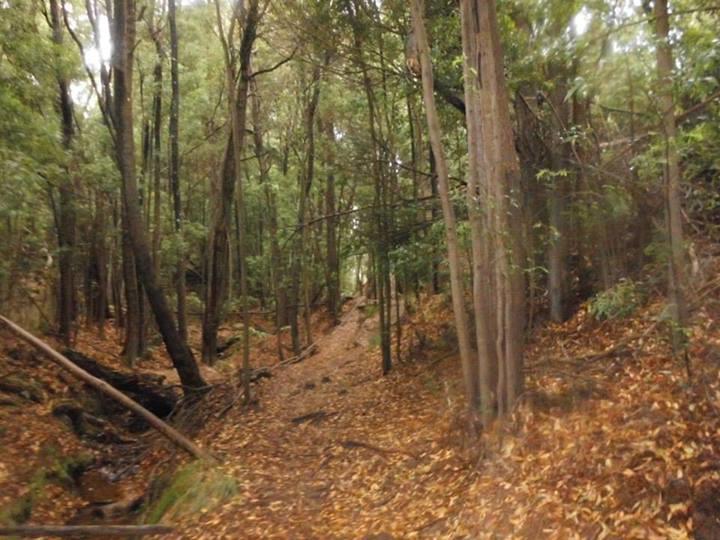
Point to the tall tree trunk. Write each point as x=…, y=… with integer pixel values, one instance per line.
x=558, y=193
x=298, y=274
x=66, y=217
x=174, y=170
x=219, y=241
x=332, y=259
x=451, y=237
x=380, y=266
x=131, y=345
x=278, y=284
x=435, y=265
x=237, y=105
x=499, y=307
x=676, y=263
x=217, y=258
x=123, y=56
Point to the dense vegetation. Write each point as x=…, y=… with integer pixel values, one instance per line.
x=169, y=167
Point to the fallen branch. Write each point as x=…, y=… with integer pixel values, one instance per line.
x=168, y=431
x=67, y=531
x=308, y=351
x=260, y=373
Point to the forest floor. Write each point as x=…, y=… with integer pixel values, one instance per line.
x=613, y=445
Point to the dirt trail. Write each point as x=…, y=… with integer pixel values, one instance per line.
x=352, y=469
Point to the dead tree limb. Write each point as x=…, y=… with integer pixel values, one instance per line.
x=308, y=351
x=168, y=431
x=98, y=531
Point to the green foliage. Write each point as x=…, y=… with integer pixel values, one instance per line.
x=194, y=487
x=618, y=302
x=56, y=469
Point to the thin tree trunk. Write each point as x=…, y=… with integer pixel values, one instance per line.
x=123, y=57
x=174, y=170
x=332, y=261
x=451, y=237
x=237, y=104
x=380, y=261
x=66, y=217
x=131, y=345
x=271, y=201
x=676, y=263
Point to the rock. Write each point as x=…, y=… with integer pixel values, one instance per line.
x=325, y=379
x=309, y=385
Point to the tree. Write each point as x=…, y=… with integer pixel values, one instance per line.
x=66, y=210
x=174, y=168
x=123, y=54
x=237, y=96
x=493, y=189
x=451, y=237
x=671, y=176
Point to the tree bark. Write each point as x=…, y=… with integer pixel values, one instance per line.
x=676, y=263
x=131, y=345
x=66, y=217
x=174, y=169
x=451, y=237
x=123, y=56
x=332, y=260
x=498, y=255
x=278, y=284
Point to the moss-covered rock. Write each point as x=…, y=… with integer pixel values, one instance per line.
x=194, y=487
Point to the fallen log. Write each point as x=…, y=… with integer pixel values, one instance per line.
x=165, y=429
x=147, y=390
x=69, y=531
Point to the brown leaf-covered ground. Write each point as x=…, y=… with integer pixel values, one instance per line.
x=623, y=446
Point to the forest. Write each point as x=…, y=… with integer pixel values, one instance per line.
x=371, y=269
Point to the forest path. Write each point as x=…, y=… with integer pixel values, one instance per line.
x=362, y=466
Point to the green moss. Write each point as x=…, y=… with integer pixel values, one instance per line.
x=192, y=488
x=57, y=469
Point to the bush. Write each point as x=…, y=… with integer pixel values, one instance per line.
x=619, y=301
